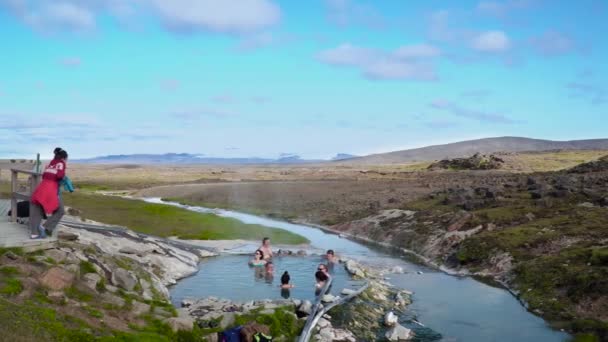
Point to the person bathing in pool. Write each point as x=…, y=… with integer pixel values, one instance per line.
x=258, y=259
x=266, y=249
x=285, y=278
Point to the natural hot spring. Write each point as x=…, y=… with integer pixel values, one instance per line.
x=230, y=277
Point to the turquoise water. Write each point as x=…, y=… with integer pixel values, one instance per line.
x=230, y=277
x=451, y=308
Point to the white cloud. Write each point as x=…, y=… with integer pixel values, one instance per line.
x=349, y=12
x=223, y=16
x=503, y=8
x=348, y=54
x=393, y=69
x=418, y=51
x=49, y=16
x=481, y=116
x=491, y=41
x=411, y=62
x=228, y=16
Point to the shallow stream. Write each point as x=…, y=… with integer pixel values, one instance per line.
x=451, y=308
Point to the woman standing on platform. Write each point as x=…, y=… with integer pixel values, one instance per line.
x=45, y=198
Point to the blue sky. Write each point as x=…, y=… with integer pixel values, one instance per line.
x=264, y=77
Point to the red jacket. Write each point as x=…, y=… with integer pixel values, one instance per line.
x=46, y=193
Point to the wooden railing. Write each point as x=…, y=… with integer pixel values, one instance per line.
x=33, y=181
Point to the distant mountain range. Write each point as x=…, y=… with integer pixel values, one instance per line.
x=430, y=153
x=187, y=158
x=484, y=146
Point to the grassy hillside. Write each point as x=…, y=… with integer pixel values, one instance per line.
x=163, y=220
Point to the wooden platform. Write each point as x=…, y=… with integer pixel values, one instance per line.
x=18, y=235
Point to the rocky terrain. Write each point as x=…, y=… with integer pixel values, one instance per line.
x=373, y=315
x=475, y=162
x=113, y=283
x=98, y=283
x=543, y=235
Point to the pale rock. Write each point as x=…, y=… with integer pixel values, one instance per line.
x=348, y=292
x=124, y=279
x=390, y=319
x=91, y=280
x=328, y=298
x=113, y=300
x=57, y=255
x=305, y=307
x=147, y=293
x=72, y=268
x=354, y=269
x=323, y=323
x=57, y=279
x=111, y=288
x=56, y=296
x=343, y=335
x=399, y=333
x=140, y=308
x=180, y=323
x=228, y=320
x=396, y=270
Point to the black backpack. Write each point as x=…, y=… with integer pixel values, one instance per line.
x=23, y=209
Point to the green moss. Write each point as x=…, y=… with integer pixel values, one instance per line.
x=14, y=250
x=9, y=270
x=599, y=256
x=86, y=267
x=11, y=287
x=585, y=338
x=101, y=285
x=124, y=262
x=165, y=220
x=93, y=312
x=76, y=294
x=281, y=322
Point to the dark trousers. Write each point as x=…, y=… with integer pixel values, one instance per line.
x=36, y=214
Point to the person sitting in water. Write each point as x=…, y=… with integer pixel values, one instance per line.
x=269, y=267
x=323, y=268
x=258, y=259
x=321, y=278
x=265, y=248
x=331, y=256
x=269, y=272
x=285, y=278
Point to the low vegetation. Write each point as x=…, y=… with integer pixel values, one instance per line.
x=164, y=220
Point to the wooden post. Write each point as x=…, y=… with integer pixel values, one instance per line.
x=13, y=198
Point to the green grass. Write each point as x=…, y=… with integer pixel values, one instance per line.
x=231, y=206
x=281, y=322
x=15, y=250
x=164, y=220
x=9, y=270
x=11, y=287
x=32, y=321
x=86, y=267
x=78, y=295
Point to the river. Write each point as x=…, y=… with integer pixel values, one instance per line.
x=452, y=308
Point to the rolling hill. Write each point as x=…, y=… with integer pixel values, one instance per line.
x=484, y=146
